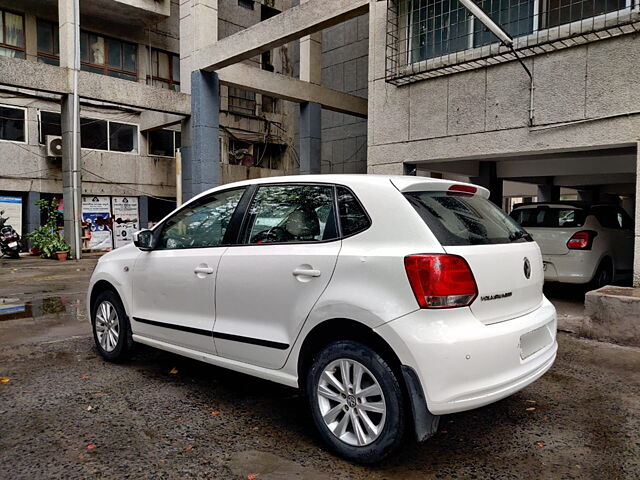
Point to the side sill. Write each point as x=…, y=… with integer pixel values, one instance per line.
x=260, y=372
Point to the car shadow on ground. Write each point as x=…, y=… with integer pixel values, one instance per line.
x=506, y=435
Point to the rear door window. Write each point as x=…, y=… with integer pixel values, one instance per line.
x=549, y=217
x=291, y=214
x=458, y=219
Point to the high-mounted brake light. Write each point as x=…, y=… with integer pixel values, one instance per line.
x=457, y=188
x=581, y=240
x=441, y=281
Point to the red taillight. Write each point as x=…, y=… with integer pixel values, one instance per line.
x=581, y=240
x=468, y=189
x=441, y=281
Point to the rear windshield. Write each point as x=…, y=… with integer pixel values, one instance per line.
x=457, y=219
x=549, y=217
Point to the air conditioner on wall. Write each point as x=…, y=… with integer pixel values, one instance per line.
x=54, y=146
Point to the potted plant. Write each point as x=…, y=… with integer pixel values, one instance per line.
x=46, y=239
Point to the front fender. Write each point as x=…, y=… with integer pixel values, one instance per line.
x=116, y=272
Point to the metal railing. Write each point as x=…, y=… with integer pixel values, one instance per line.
x=427, y=38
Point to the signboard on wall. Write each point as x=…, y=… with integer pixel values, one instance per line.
x=12, y=207
x=126, y=219
x=96, y=213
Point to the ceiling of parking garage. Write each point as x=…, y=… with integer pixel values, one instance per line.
x=614, y=167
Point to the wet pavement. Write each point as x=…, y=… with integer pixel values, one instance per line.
x=64, y=413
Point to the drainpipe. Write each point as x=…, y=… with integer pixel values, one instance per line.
x=74, y=129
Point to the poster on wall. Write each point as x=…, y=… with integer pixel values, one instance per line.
x=12, y=207
x=125, y=219
x=96, y=214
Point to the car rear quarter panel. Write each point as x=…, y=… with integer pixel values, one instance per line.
x=370, y=284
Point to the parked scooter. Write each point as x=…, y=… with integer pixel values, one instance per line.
x=9, y=239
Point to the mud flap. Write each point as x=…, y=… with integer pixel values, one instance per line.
x=425, y=422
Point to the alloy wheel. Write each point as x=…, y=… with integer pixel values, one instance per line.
x=107, y=326
x=351, y=402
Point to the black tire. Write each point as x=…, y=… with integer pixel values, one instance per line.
x=392, y=430
x=603, y=275
x=124, y=345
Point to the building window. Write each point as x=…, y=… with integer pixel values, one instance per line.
x=248, y=4
x=106, y=135
x=419, y=32
x=12, y=124
x=108, y=56
x=242, y=101
x=515, y=17
x=436, y=27
x=11, y=35
x=440, y=27
x=163, y=143
x=49, y=125
x=48, y=43
x=558, y=12
x=165, y=70
x=123, y=137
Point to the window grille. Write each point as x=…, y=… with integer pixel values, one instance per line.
x=428, y=38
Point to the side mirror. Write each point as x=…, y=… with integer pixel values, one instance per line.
x=143, y=240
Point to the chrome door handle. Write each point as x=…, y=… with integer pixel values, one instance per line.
x=207, y=270
x=308, y=272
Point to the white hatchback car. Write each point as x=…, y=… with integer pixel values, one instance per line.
x=390, y=300
x=583, y=243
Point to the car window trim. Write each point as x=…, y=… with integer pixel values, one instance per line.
x=256, y=187
x=157, y=229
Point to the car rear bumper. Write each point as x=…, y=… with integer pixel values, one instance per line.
x=573, y=267
x=463, y=363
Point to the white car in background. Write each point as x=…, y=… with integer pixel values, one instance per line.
x=389, y=300
x=581, y=243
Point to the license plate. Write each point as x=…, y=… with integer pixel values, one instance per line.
x=534, y=341
x=13, y=244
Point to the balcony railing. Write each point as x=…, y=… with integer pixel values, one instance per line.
x=428, y=38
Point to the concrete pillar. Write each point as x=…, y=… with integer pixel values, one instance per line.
x=311, y=57
x=70, y=195
x=201, y=149
x=488, y=178
x=636, y=252
x=587, y=195
x=310, y=137
x=33, y=212
x=310, y=113
x=143, y=211
x=71, y=177
x=185, y=152
x=31, y=36
x=548, y=193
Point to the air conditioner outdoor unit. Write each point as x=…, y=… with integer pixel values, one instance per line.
x=54, y=146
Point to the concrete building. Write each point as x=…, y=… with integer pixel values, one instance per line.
x=133, y=98
x=446, y=97
x=555, y=112
x=553, y=107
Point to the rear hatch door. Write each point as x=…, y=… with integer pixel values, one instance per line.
x=505, y=261
x=551, y=225
x=500, y=271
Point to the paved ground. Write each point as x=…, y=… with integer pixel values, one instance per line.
x=581, y=420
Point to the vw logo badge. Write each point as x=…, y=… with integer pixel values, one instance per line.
x=527, y=268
